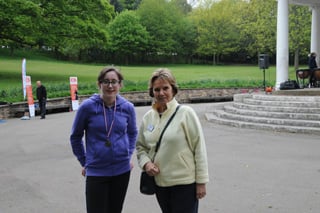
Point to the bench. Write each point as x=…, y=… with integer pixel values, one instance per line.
x=302, y=74
x=316, y=75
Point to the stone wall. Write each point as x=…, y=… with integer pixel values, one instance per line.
x=137, y=98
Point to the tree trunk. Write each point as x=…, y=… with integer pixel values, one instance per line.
x=214, y=59
x=296, y=59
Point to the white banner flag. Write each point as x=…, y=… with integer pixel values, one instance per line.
x=24, y=74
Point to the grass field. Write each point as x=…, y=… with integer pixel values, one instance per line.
x=55, y=76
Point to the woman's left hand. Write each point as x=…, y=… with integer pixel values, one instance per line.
x=151, y=169
x=201, y=190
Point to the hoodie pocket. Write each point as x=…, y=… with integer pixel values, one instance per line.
x=99, y=155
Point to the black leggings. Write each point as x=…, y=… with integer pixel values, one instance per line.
x=178, y=199
x=106, y=194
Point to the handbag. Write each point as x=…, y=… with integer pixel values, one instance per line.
x=147, y=183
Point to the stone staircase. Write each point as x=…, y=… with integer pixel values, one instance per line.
x=296, y=114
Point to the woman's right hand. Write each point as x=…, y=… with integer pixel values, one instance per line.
x=151, y=169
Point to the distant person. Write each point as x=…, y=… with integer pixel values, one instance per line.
x=76, y=94
x=312, y=66
x=103, y=138
x=42, y=98
x=180, y=166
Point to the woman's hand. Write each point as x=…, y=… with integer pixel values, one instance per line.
x=151, y=169
x=83, y=172
x=201, y=190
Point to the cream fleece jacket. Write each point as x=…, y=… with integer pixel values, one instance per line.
x=182, y=155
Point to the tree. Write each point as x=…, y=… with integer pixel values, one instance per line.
x=217, y=32
x=130, y=4
x=120, y=5
x=299, y=31
x=129, y=38
x=182, y=5
x=19, y=23
x=164, y=22
x=70, y=28
x=187, y=39
x=117, y=5
x=259, y=26
x=74, y=27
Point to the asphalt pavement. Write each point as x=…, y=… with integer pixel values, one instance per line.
x=251, y=171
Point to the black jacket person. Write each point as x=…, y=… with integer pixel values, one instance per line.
x=312, y=66
x=42, y=98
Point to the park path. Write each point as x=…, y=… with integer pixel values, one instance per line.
x=251, y=171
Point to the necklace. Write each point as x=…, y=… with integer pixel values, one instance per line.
x=108, y=142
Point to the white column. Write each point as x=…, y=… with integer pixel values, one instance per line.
x=282, y=67
x=315, y=30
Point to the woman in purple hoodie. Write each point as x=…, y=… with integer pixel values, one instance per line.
x=103, y=139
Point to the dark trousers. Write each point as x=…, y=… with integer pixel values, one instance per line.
x=42, y=106
x=178, y=199
x=106, y=194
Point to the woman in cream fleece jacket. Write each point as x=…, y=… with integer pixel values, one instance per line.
x=180, y=166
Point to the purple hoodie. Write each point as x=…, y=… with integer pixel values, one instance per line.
x=89, y=135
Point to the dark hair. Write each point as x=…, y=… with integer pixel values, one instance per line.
x=105, y=70
x=164, y=74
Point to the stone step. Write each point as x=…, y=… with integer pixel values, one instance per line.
x=266, y=120
x=284, y=103
x=298, y=92
x=299, y=114
x=281, y=114
x=286, y=98
x=262, y=126
x=276, y=108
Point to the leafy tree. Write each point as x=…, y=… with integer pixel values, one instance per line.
x=130, y=4
x=69, y=27
x=117, y=5
x=164, y=22
x=185, y=31
x=120, y=5
x=129, y=38
x=217, y=32
x=182, y=5
x=299, y=31
x=74, y=27
x=170, y=29
x=259, y=26
x=186, y=37
x=19, y=23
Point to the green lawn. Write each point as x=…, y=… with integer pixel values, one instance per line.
x=55, y=76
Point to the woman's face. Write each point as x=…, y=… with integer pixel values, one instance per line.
x=110, y=85
x=162, y=91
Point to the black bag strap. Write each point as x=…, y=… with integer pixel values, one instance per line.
x=164, y=129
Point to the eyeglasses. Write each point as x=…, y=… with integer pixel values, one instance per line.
x=107, y=82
